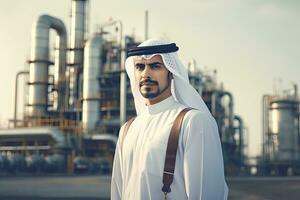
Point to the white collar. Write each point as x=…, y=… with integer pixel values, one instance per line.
x=160, y=106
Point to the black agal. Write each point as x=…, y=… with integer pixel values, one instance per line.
x=148, y=50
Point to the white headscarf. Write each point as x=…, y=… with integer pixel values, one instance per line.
x=182, y=91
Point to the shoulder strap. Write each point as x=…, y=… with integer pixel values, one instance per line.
x=127, y=125
x=171, y=151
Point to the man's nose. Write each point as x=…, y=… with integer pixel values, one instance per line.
x=146, y=72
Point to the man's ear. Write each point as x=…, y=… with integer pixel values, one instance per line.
x=170, y=75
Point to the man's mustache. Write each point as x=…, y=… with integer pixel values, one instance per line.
x=148, y=81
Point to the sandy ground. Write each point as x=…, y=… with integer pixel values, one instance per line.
x=56, y=188
x=268, y=188
x=98, y=188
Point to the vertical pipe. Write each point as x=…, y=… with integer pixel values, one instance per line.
x=16, y=95
x=265, y=124
x=231, y=104
x=123, y=79
x=214, y=98
x=217, y=96
x=146, y=24
x=296, y=128
x=92, y=65
x=78, y=15
x=231, y=115
x=60, y=67
x=241, y=137
x=297, y=122
x=296, y=91
x=39, y=62
x=38, y=68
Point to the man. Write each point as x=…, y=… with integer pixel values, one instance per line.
x=161, y=89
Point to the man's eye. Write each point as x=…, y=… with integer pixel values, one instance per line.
x=139, y=67
x=155, y=66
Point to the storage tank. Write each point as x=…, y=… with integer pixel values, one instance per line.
x=281, y=129
x=283, y=126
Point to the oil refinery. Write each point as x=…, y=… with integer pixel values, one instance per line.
x=77, y=101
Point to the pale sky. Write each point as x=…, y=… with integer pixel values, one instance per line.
x=251, y=43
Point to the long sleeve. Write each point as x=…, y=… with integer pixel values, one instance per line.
x=117, y=179
x=203, y=160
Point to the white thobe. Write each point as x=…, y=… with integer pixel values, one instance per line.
x=138, y=166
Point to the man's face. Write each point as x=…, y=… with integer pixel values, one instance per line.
x=152, y=76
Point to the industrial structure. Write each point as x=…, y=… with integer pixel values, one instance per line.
x=231, y=127
x=281, y=136
x=78, y=101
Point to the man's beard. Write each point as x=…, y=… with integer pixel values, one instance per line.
x=149, y=94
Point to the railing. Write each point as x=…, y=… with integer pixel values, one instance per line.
x=66, y=125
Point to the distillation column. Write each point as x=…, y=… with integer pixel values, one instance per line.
x=91, y=87
x=78, y=24
x=39, y=63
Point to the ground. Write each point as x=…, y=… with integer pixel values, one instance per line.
x=98, y=188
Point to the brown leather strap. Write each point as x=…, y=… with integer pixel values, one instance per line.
x=171, y=151
x=127, y=125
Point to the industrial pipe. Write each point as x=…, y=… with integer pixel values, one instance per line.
x=123, y=78
x=104, y=137
x=78, y=24
x=214, y=99
x=123, y=75
x=146, y=24
x=39, y=63
x=231, y=115
x=241, y=136
x=91, y=91
x=265, y=112
x=218, y=95
x=16, y=95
